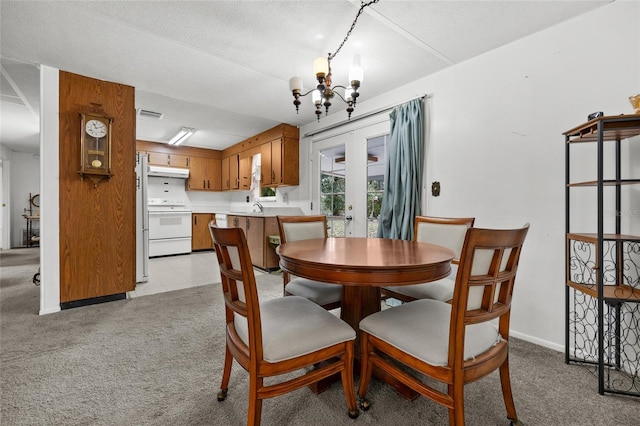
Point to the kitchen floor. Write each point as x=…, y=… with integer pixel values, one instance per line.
x=170, y=273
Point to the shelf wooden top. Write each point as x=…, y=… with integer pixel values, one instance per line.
x=606, y=182
x=593, y=237
x=614, y=126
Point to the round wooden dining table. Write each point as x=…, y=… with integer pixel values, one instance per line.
x=362, y=266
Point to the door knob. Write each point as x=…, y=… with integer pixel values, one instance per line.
x=349, y=217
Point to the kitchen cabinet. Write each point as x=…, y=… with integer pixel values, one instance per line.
x=166, y=159
x=282, y=167
x=280, y=162
x=245, y=171
x=257, y=230
x=230, y=172
x=602, y=291
x=200, y=236
x=224, y=174
x=265, y=164
x=204, y=174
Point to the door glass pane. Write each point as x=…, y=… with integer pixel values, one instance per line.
x=376, y=160
x=332, y=189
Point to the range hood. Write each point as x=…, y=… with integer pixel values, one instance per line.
x=173, y=172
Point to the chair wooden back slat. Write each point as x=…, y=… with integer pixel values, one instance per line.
x=239, y=286
x=485, y=281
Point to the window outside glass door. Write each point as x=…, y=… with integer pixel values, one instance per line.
x=332, y=189
x=376, y=163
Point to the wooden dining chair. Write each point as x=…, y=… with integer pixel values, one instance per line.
x=448, y=232
x=452, y=343
x=277, y=336
x=296, y=228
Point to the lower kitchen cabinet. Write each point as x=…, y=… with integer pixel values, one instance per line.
x=200, y=236
x=257, y=230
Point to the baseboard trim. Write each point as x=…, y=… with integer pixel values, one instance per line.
x=537, y=341
x=49, y=311
x=93, y=301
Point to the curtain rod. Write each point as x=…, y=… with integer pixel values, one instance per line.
x=366, y=115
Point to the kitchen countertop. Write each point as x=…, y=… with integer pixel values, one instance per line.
x=268, y=212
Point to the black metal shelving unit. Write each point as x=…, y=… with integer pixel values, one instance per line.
x=603, y=267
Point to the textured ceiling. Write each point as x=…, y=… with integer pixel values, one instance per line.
x=223, y=66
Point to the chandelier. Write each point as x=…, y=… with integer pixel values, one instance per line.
x=324, y=91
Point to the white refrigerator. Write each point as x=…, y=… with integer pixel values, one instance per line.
x=142, y=220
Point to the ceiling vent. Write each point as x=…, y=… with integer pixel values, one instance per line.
x=149, y=114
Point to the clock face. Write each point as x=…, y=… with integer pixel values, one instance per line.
x=96, y=129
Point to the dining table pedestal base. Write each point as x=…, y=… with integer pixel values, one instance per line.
x=358, y=302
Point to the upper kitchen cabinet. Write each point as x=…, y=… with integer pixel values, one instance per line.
x=279, y=151
x=205, y=174
x=280, y=156
x=203, y=164
x=245, y=170
x=284, y=163
x=224, y=174
x=166, y=159
x=265, y=164
x=230, y=172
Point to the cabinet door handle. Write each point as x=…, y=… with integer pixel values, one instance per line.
x=204, y=185
x=195, y=220
x=208, y=185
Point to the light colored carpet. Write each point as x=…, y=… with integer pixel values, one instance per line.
x=157, y=360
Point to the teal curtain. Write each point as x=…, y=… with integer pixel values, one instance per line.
x=403, y=175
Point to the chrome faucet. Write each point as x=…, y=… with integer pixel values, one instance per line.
x=257, y=203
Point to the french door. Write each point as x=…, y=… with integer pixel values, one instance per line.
x=348, y=178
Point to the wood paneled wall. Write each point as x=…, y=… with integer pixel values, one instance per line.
x=97, y=224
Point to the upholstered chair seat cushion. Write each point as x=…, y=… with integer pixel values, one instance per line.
x=294, y=326
x=421, y=329
x=437, y=290
x=318, y=292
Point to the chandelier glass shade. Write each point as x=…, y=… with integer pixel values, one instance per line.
x=324, y=93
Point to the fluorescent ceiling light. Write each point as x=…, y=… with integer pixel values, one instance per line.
x=184, y=134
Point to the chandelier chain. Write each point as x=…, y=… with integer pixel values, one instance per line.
x=353, y=25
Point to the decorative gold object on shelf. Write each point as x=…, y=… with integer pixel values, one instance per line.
x=95, y=142
x=635, y=102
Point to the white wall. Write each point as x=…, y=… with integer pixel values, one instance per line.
x=496, y=143
x=25, y=180
x=50, y=195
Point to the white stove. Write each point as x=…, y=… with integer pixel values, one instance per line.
x=162, y=204
x=169, y=227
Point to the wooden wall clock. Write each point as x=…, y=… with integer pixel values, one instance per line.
x=95, y=146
